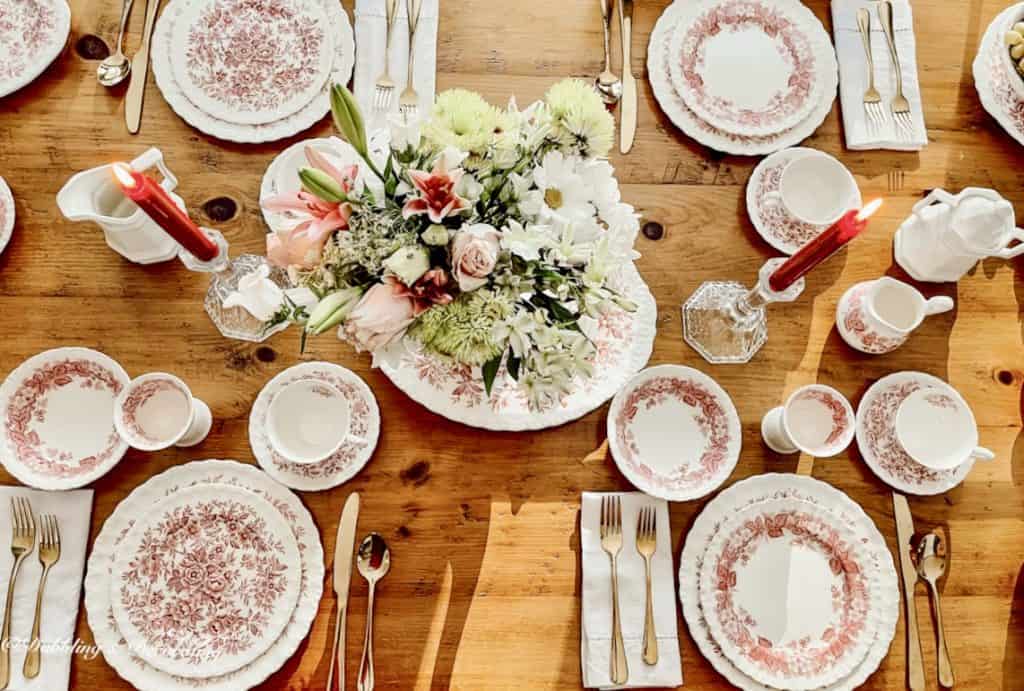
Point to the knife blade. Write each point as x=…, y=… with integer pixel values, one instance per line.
x=908, y=574
x=629, y=95
x=343, y=550
x=140, y=70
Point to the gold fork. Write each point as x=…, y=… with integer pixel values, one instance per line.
x=23, y=540
x=900, y=106
x=385, y=85
x=646, y=544
x=49, y=554
x=872, y=99
x=409, y=101
x=611, y=543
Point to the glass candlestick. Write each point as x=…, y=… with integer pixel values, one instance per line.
x=727, y=323
x=233, y=322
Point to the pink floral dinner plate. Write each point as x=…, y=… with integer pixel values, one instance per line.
x=205, y=581
x=32, y=35
x=58, y=416
x=784, y=588
x=884, y=586
x=749, y=67
x=992, y=80
x=876, y=437
x=186, y=478
x=773, y=223
x=674, y=433
x=6, y=214
x=348, y=460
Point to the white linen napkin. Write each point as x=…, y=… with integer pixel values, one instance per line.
x=63, y=586
x=371, y=38
x=853, y=74
x=596, y=635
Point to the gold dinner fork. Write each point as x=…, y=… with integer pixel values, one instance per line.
x=23, y=540
x=872, y=99
x=49, y=554
x=385, y=86
x=611, y=543
x=409, y=101
x=646, y=544
x=899, y=106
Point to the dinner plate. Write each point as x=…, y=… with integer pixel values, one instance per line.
x=775, y=486
x=658, y=58
x=32, y=35
x=348, y=460
x=784, y=588
x=750, y=67
x=6, y=215
x=674, y=432
x=997, y=94
x=58, y=412
x=184, y=479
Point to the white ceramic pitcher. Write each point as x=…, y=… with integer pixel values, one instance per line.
x=948, y=234
x=93, y=195
x=878, y=316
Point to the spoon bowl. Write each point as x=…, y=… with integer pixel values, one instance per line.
x=373, y=561
x=609, y=86
x=930, y=559
x=113, y=70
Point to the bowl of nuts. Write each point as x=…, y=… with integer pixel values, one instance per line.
x=1013, y=53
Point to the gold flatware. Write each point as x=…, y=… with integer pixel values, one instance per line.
x=342, y=579
x=49, y=554
x=904, y=535
x=115, y=67
x=374, y=561
x=629, y=98
x=140, y=70
x=872, y=99
x=611, y=543
x=409, y=101
x=646, y=545
x=899, y=106
x=608, y=83
x=23, y=541
x=896, y=178
x=385, y=86
x=931, y=566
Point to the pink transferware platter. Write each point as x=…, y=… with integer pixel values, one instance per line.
x=58, y=413
x=32, y=35
x=185, y=480
x=6, y=215
x=674, y=433
x=812, y=497
x=992, y=78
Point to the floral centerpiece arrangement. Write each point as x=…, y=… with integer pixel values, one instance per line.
x=492, y=237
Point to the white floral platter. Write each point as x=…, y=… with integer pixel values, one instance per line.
x=183, y=479
x=659, y=55
x=32, y=35
x=456, y=391
x=6, y=215
x=992, y=80
x=818, y=495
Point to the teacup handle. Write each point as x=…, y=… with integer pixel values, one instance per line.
x=982, y=454
x=939, y=305
x=1018, y=249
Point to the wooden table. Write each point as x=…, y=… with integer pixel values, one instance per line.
x=484, y=589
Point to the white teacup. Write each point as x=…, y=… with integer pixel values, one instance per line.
x=816, y=419
x=814, y=188
x=936, y=428
x=157, y=411
x=308, y=421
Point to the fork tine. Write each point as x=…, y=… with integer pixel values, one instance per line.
x=618, y=516
x=56, y=532
x=14, y=517
x=31, y=518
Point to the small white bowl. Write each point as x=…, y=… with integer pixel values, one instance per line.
x=308, y=421
x=816, y=419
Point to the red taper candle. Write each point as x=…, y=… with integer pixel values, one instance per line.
x=158, y=205
x=822, y=247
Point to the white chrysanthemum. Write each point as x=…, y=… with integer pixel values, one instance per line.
x=563, y=188
x=582, y=123
x=525, y=241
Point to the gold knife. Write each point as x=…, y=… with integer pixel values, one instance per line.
x=908, y=574
x=629, y=98
x=140, y=70
x=343, y=550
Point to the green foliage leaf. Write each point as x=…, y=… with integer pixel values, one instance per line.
x=490, y=371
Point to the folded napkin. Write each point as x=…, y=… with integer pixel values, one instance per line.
x=63, y=586
x=596, y=637
x=853, y=74
x=371, y=38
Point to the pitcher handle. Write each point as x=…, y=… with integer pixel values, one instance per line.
x=1015, y=251
x=982, y=454
x=936, y=195
x=939, y=305
x=154, y=157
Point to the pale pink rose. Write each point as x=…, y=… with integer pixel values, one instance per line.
x=382, y=315
x=474, y=255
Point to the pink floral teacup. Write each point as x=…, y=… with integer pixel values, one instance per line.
x=157, y=411
x=817, y=420
x=308, y=421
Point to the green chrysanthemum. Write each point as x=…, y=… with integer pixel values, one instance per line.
x=462, y=119
x=582, y=123
x=463, y=330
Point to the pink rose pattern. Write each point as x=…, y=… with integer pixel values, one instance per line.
x=27, y=405
x=856, y=323
x=840, y=418
x=711, y=418
x=254, y=55
x=776, y=222
x=791, y=43
x=139, y=396
x=26, y=29
x=205, y=581
x=851, y=598
x=941, y=400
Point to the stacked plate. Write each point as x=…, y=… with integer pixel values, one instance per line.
x=206, y=576
x=32, y=35
x=252, y=70
x=786, y=584
x=746, y=77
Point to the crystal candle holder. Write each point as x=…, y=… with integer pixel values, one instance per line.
x=225, y=273
x=727, y=323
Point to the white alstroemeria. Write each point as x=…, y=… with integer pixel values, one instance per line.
x=564, y=191
x=405, y=132
x=451, y=158
x=609, y=254
x=525, y=241
x=574, y=241
x=621, y=219
x=468, y=188
x=517, y=331
x=599, y=177
x=537, y=125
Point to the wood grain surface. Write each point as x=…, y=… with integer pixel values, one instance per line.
x=484, y=588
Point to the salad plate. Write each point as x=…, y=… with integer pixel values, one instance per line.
x=6, y=215
x=32, y=35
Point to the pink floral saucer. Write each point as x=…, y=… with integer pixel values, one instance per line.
x=6, y=215
x=32, y=35
x=674, y=433
x=992, y=80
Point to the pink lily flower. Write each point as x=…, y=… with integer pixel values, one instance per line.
x=438, y=198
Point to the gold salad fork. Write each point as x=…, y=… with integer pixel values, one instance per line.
x=49, y=554
x=646, y=545
x=611, y=543
x=872, y=99
x=409, y=102
x=385, y=84
x=23, y=540
x=900, y=106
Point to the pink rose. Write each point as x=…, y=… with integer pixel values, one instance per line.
x=383, y=314
x=474, y=254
